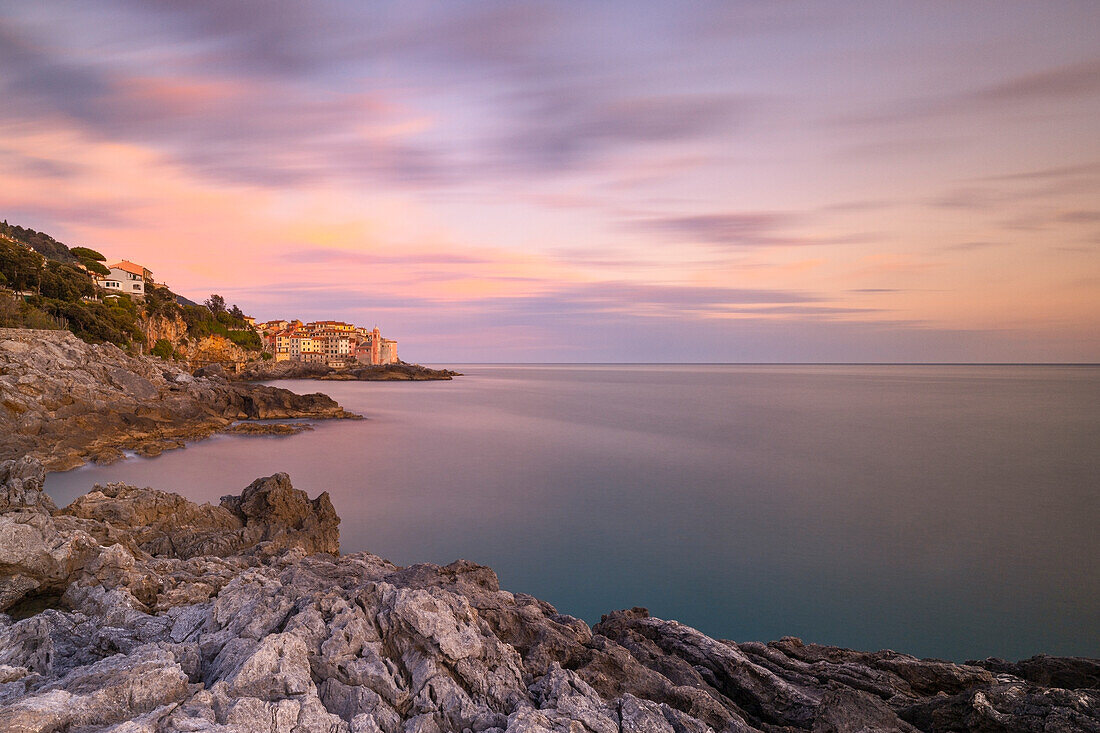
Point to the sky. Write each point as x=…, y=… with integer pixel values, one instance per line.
x=583, y=182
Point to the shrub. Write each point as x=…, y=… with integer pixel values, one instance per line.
x=248, y=340
x=162, y=349
x=64, y=282
x=114, y=321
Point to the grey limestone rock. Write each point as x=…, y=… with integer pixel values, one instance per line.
x=151, y=613
x=21, y=482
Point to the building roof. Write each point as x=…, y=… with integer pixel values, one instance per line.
x=130, y=267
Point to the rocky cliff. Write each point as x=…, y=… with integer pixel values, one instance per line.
x=215, y=349
x=63, y=400
x=136, y=610
x=160, y=327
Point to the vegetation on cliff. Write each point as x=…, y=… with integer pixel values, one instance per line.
x=52, y=287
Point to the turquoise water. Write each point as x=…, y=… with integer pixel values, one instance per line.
x=946, y=511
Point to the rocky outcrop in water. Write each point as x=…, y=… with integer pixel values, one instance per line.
x=268, y=371
x=253, y=428
x=63, y=400
x=136, y=610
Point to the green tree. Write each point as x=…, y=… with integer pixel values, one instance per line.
x=20, y=266
x=215, y=303
x=64, y=282
x=84, y=253
x=97, y=267
x=248, y=340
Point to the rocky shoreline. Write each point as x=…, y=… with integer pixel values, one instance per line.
x=269, y=371
x=136, y=610
x=64, y=401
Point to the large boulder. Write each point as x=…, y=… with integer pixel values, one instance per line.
x=210, y=371
x=278, y=516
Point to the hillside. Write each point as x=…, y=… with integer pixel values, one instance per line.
x=40, y=242
x=46, y=285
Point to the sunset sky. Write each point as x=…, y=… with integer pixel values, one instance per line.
x=524, y=181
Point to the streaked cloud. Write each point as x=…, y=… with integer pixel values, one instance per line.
x=1068, y=82
x=345, y=257
x=548, y=180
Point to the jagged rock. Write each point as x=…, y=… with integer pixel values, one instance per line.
x=36, y=556
x=210, y=371
x=21, y=482
x=1008, y=707
x=276, y=514
x=157, y=522
x=133, y=385
x=1070, y=673
x=267, y=371
x=252, y=428
x=64, y=401
x=162, y=615
x=269, y=512
x=261, y=402
x=114, y=689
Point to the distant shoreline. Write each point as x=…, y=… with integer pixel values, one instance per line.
x=270, y=371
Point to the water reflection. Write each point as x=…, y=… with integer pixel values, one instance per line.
x=946, y=511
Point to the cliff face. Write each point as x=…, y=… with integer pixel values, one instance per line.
x=63, y=400
x=157, y=327
x=215, y=349
x=138, y=609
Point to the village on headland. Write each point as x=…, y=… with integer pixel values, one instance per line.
x=45, y=284
x=333, y=343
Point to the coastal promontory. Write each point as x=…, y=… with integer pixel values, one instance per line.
x=65, y=401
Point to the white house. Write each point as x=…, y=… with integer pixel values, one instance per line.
x=126, y=277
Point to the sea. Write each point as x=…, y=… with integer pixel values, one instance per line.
x=948, y=511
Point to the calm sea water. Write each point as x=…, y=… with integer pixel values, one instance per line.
x=946, y=511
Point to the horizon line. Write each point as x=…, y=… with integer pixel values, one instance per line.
x=772, y=363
